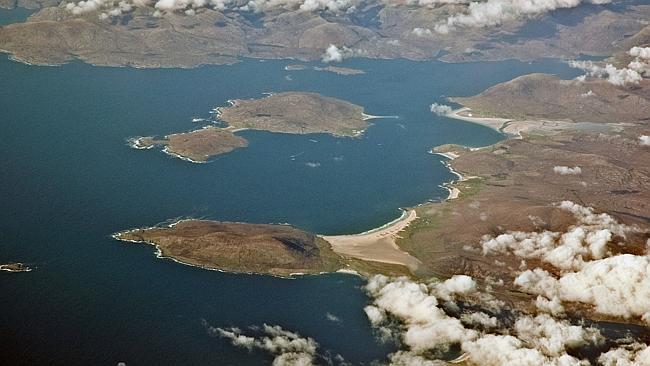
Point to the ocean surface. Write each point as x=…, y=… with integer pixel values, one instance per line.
x=69, y=180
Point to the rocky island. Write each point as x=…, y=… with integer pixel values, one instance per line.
x=280, y=250
x=297, y=113
x=15, y=267
x=289, y=112
x=196, y=146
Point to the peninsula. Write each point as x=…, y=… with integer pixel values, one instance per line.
x=576, y=159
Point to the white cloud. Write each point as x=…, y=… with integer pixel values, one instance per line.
x=632, y=355
x=586, y=240
x=426, y=326
x=553, y=337
x=619, y=77
x=479, y=319
x=617, y=285
x=495, y=12
x=456, y=285
x=640, y=52
x=302, y=5
x=644, y=140
x=288, y=348
x=421, y=32
x=565, y=170
x=189, y=7
x=336, y=54
x=553, y=306
x=333, y=318
x=632, y=74
x=500, y=350
x=440, y=109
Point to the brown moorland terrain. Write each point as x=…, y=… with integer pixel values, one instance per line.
x=297, y=113
x=53, y=36
x=279, y=250
x=197, y=146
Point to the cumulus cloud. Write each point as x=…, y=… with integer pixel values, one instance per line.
x=499, y=350
x=618, y=285
x=640, y=52
x=636, y=354
x=632, y=74
x=425, y=328
x=565, y=170
x=552, y=306
x=111, y=7
x=301, y=5
x=479, y=319
x=495, y=12
x=554, y=337
x=619, y=77
x=425, y=325
x=644, y=140
x=586, y=240
x=440, y=109
x=288, y=348
x=336, y=54
x=539, y=340
x=456, y=285
x=333, y=318
x=189, y=7
x=422, y=32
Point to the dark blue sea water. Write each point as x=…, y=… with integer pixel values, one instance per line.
x=69, y=180
x=8, y=16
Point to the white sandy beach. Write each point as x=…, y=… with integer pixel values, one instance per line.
x=449, y=155
x=465, y=114
x=377, y=245
x=367, y=117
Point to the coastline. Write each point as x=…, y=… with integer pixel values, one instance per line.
x=454, y=192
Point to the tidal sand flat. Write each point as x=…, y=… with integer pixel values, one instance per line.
x=377, y=245
x=239, y=247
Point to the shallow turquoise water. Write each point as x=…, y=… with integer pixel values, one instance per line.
x=69, y=180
